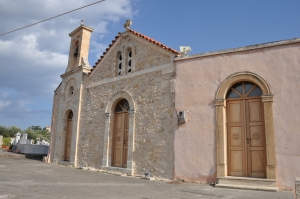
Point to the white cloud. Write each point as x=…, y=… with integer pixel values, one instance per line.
x=3, y=104
x=32, y=59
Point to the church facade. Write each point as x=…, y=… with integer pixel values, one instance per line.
x=239, y=111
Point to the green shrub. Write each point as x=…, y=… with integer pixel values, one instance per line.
x=6, y=142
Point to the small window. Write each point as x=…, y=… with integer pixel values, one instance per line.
x=76, y=49
x=119, y=64
x=244, y=89
x=129, y=61
x=71, y=91
x=70, y=116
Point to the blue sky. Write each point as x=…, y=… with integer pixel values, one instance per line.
x=32, y=60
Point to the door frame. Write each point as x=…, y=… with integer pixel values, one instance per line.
x=108, y=132
x=221, y=126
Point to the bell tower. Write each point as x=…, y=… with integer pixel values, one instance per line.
x=79, y=47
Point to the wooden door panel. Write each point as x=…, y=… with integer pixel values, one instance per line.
x=235, y=112
x=236, y=163
x=68, y=140
x=257, y=161
x=256, y=138
x=121, y=139
x=254, y=111
x=117, y=157
x=118, y=140
x=125, y=140
x=236, y=136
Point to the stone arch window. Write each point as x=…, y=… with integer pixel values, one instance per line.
x=234, y=87
x=76, y=49
x=119, y=63
x=129, y=60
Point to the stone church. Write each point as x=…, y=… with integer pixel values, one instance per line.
x=228, y=115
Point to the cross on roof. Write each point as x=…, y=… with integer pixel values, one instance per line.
x=127, y=24
x=82, y=20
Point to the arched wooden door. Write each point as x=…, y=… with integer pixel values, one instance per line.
x=68, y=137
x=120, y=137
x=245, y=131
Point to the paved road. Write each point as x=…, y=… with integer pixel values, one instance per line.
x=26, y=178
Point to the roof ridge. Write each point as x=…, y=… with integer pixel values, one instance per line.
x=139, y=35
x=153, y=41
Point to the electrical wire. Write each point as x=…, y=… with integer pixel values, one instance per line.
x=50, y=18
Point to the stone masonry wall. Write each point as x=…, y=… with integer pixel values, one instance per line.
x=144, y=57
x=54, y=122
x=153, y=123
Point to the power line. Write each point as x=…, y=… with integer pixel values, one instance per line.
x=50, y=18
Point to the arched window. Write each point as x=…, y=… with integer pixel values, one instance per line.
x=76, y=49
x=122, y=106
x=244, y=89
x=70, y=116
x=129, y=61
x=119, y=64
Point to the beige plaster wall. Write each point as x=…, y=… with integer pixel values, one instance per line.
x=197, y=81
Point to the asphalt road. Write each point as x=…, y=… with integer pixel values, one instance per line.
x=27, y=178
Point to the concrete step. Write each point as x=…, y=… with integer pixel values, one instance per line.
x=248, y=183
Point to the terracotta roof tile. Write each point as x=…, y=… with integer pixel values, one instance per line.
x=140, y=35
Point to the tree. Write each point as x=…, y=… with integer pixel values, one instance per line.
x=35, y=128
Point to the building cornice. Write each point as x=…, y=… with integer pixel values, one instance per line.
x=241, y=49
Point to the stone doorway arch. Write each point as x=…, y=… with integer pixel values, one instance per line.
x=108, y=133
x=221, y=129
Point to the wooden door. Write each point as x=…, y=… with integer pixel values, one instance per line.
x=120, y=137
x=245, y=132
x=255, y=138
x=236, y=138
x=68, y=140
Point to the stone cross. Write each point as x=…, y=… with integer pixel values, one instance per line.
x=82, y=20
x=127, y=24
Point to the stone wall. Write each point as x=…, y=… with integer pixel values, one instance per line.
x=297, y=188
x=154, y=136
x=144, y=56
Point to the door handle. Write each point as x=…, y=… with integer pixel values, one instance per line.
x=249, y=139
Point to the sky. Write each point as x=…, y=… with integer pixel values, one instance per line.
x=32, y=59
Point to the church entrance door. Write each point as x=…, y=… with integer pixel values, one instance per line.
x=68, y=137
x=120, y=137
x=245, y=131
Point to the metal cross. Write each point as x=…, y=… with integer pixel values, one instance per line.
x=82, y=20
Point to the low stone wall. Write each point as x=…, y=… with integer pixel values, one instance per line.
x=297, y=188
x=32, y=149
